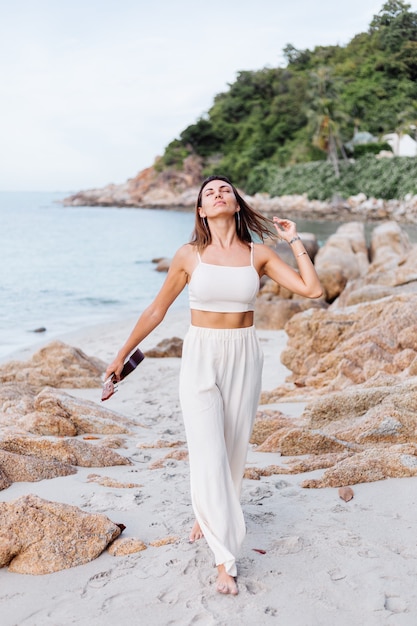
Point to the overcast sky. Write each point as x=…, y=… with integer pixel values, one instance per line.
x=91, y=91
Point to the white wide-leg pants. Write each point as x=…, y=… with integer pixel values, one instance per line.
x=220, y=385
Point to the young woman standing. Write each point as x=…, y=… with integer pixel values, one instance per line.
x=221, y=369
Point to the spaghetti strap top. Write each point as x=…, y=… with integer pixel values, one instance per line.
x=223, y=289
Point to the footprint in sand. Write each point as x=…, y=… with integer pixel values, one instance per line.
x=288, y=545
x=395, y=604
x=253, y=587
x=99, y=580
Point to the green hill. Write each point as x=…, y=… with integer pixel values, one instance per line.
x=305, y=115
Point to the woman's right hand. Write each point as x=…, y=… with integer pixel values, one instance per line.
x=114, y=368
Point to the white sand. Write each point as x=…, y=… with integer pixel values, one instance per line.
x=327, y=562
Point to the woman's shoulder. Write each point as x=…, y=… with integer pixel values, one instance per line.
x=186, y=251
x=184, y=257
x=263, y=250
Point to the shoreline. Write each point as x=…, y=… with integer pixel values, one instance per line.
x=309, y=558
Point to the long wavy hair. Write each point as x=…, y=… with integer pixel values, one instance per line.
x=248, y=220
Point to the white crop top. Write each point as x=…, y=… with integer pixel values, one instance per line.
x=223, y=289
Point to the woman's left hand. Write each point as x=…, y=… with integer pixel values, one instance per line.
x=286, y=229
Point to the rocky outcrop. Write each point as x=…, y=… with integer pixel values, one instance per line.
x=56, y=413
x=365, y=433
x=30, y=459
x=171, y=347
x=27, y=468
x=150, y=188
x=276, y=305
x=53, y=536
x=337, y=348
x=56, y=365
x=355, y=363
x=178, y=190
x=392, y=270
x=370, y=327
x=343, y=258
x=68, y=451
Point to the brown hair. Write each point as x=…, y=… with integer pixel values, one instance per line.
x=248, y=220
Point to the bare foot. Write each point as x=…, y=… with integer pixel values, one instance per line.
x=196, y=533
x=225, y=582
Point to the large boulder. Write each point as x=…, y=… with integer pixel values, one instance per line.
x=54, y=412
x=53, y=537
x=55, y=365
x=68, y=451
x=343, y=257
x=334, y=349
x=393, y=268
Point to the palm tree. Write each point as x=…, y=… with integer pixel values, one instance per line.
x=324, y=115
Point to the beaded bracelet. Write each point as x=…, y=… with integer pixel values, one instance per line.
x=294, y=239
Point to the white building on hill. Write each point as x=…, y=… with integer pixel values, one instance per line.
x=401, y=145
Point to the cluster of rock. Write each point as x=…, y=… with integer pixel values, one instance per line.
x=38, y=426
x=47, y=433
x=149, y=189
x=174, y=189
x=355, y=362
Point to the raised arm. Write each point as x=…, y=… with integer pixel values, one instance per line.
x=305, y=282
x=153, y=315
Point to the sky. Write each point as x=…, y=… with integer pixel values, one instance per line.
x=92, y=91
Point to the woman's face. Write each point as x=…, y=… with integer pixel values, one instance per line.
x=217, y=197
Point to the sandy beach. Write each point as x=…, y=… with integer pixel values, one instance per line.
x=309, y=558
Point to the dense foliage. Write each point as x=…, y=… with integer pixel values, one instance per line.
x=306, y=112
x=380, y=178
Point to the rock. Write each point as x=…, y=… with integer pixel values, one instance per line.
x=4, y=480
x=267, y=423
x=166, y=541
x=53, y=537
x=85, y=416
x=53, y=412
x=378, y=412
x=150, y=188
x=331, y=349
x=276, y=305
x=126, y=545
x=106, y=481
x=160, y=443
x=345, y=493
x=55, y=365
x=274, y=313
x=285, y=252
x=296, y=441
x=393, y=269
x=27, y=468
x=363, y=433
x=67, y=451
x=177, y=455
x=343, y=257
x=368, y=466
x=163, y=265
x=166, y=348
x=388, y=242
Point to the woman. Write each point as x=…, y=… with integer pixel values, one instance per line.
x=220, y=379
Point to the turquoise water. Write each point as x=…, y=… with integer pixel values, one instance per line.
x=66, y=268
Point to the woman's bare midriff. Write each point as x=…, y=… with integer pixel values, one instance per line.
x=209, y=319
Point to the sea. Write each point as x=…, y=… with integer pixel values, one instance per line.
x=70, y=268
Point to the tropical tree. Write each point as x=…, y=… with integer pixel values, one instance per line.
x=324, y=115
